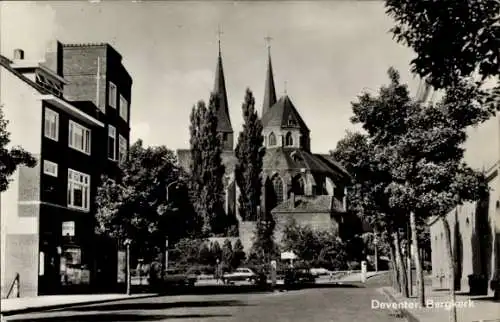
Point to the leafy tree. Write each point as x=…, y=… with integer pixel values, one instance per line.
x=227, y=253
x=302, y=240
x=250, y=153
x=205, y=256
x=207, y=170
x=216, y=251
x=11, y=157
x=452, y=39
x=368, y=196
x=264, y=247
x=238, y=254
x=320, y=248
x=421, y=147
x=186, y=251
x=134, y=204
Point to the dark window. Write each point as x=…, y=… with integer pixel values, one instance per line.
x=288, y=139
x=278, y=189
x=272, y=139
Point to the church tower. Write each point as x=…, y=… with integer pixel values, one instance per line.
x=283, y=127
x=269, y=89
x=223, y=121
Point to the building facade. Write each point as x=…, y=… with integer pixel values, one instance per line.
x=297, y=183
x=72, y=111
x=474, y=227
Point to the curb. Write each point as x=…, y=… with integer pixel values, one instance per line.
x=68, y=305
x=400, y=312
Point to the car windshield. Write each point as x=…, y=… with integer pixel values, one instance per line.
x=242, y=270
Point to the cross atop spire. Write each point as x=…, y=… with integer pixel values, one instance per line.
x=268, y=43
x=219, y=34
x=269, y=90
x=223, y=120
x=286, y=83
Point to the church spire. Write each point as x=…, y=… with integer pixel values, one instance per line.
x=223, y=120
x=269, y=89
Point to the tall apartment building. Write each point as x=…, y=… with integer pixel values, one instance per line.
x=72, y=111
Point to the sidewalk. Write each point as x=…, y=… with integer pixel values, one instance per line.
x=349, y=278
x=469, y=308
x=39, y=303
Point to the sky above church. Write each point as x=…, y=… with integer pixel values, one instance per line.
x=326, y=53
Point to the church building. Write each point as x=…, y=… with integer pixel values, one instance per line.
x=297, y=183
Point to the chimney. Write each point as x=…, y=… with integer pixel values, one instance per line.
x=54, y=56
x=18, y=54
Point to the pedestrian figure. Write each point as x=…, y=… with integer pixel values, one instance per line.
x=218, y=276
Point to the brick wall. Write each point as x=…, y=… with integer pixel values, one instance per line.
x=80, y=69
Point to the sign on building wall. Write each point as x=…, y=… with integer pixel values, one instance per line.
x=68, y=228
x=41, y=265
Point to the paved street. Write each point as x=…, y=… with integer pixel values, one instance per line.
x=316, y=304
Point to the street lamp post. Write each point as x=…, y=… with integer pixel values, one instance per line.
x=167, y=188
x=375, y=245
x=129, y=281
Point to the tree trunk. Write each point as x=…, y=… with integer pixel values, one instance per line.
x=396, y=284
x=451, y=268
x=401, y=264
x=418, y=262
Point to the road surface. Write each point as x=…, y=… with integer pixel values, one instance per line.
x=337, y=304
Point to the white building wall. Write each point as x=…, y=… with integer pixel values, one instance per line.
x=23, y=110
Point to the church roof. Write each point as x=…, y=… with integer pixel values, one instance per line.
x=281, y=113
x=223, y=121
x=279, y=159
x=308, y=204
x=285, y=158
x=330, y=159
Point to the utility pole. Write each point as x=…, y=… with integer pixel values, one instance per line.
x=166, y=255
x=129, y=277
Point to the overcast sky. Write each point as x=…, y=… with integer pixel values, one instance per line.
x=326, y=51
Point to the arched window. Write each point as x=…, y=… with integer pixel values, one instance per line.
x=298, y=185
x=272, y=139
x=288, y=139
x=278, y=189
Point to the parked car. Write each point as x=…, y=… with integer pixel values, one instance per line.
x=298, y=276
x=304, y=276
x=317, y=272
x=178, y=277
x=239, y=275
